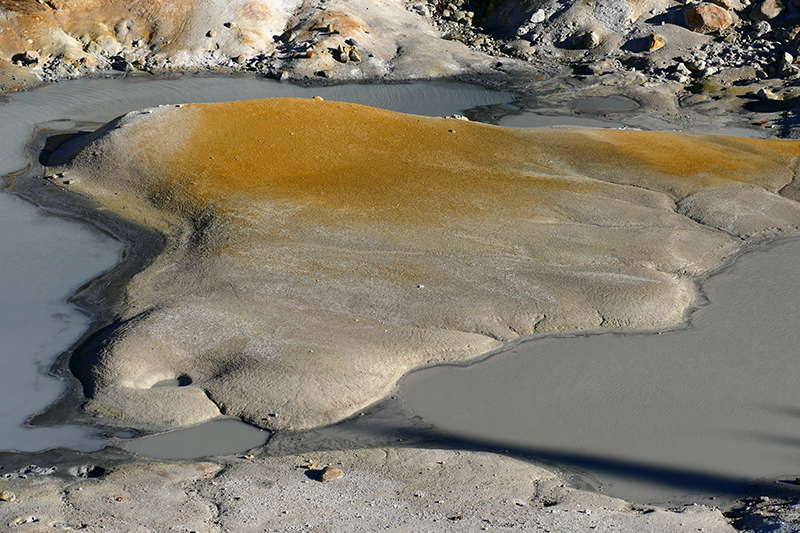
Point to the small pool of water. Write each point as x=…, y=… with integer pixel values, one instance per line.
x=651, y=417
x=44, y=259
x=219, y=437
x=604, y=104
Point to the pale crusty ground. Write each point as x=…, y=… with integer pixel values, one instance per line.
x=316, y=251
x=178, y=35
x=401, y=490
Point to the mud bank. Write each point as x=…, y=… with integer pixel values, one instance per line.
x=319, y=260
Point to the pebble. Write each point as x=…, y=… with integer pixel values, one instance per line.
x=538, y=17
x=656, y=42
x=330, y=473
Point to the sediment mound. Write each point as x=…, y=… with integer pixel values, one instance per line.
x=316, y=251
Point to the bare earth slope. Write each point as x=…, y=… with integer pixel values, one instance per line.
x=334, y=39
x=316, y=251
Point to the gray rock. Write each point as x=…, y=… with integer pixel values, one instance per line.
x=538, y=17
x=767, y=10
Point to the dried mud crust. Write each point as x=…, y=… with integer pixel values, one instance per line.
x=374, y=489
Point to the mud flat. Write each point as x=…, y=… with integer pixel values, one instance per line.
x=319, y=260
x=57, y=255
x=318, y=248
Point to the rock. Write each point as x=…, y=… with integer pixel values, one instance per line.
x=538, y=17
x=682, y=69
x=767, y=10
x=761, y=28
x=329, y=473
x=730, y=5
x=354, y=55
x=707, y=18
x=656, y=42
x=31, y=57
x=211, y=33
x=766, y=94
x=7, y=496
x=342, y=54
x=122, y=29
x=588, y=40
x=288, y=36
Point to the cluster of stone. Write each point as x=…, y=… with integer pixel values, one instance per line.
x=743, y=40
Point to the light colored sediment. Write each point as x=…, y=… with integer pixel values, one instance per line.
x=316, y=251
x=381, y=490
x=72, y=38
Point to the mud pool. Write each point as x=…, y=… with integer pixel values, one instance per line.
x=45, y=259
x=644, y=415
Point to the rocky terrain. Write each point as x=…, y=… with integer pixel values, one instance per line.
x=686, y=62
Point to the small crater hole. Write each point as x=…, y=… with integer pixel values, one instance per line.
x=181, y=381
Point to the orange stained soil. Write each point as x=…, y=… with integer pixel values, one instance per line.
x=380, y=163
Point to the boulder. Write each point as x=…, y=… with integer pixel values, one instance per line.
x=707, y=18
x=767, y=10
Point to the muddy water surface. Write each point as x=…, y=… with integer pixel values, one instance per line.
x=651, y=417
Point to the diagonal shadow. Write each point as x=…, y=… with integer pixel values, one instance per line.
x=390, y=424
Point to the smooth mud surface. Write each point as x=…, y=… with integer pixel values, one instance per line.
x=220, y=437
x=43, y=261
x=650, y=417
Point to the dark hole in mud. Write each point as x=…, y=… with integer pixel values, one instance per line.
x=181, y=381
x=89, y=471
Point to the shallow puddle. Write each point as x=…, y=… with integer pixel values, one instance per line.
x=651, y=417
x=219, y=437
x=604, y=104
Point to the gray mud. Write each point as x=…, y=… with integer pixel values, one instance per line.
x=700, y=410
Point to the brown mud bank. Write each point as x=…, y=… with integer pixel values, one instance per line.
x=317, y=251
